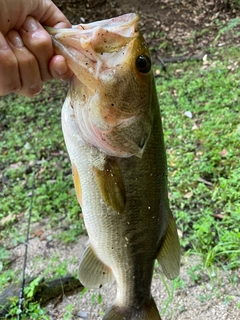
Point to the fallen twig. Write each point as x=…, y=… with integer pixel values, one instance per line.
x=45, y=291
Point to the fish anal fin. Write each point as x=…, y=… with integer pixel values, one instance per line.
x=147, y=312
x=92, y=272
x=170, y=251
x=110, y=184
x=77, y=183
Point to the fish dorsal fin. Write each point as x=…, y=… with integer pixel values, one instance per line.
x=170, y=251
x=110, y=184
x=77, y=183
x=92, y=272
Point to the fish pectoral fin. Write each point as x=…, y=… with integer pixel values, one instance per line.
x=111, y=186
x=170, y=251
x=77, y=183
x=92, y=272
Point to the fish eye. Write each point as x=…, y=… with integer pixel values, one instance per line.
x=143, y=64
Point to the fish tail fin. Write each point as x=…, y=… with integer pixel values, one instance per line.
x=148, y=312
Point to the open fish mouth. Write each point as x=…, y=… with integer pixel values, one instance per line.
x=92, y=46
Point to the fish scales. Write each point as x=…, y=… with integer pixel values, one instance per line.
x=113, y=132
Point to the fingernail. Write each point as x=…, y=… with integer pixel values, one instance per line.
x=36, y=89
x=15, y=39
x=3, y=43
x=61, y=68
x=30, y=24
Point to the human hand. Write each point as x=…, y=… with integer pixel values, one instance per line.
x=26, y=53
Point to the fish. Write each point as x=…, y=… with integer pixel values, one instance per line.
x=113, y=132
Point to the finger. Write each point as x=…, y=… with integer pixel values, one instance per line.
x=9, y=74
x=59, y=69
x=52, y=16
x=13, y=14
x=31, y=82
x=39, y=42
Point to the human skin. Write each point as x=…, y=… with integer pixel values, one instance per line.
x=27, y=57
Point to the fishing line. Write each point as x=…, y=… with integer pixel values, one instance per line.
x=21, y=292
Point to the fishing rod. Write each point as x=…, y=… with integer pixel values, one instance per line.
x=21, y=292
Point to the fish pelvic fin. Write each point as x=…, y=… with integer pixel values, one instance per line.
x=170, y=251
x=92, y=272
x=148, y=312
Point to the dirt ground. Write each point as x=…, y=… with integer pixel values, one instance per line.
x=214, y=296
x=180, y=26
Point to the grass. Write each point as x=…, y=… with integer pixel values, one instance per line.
x=32, y=142
x=200, y=110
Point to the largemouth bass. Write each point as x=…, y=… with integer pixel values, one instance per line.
x=113, y=133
